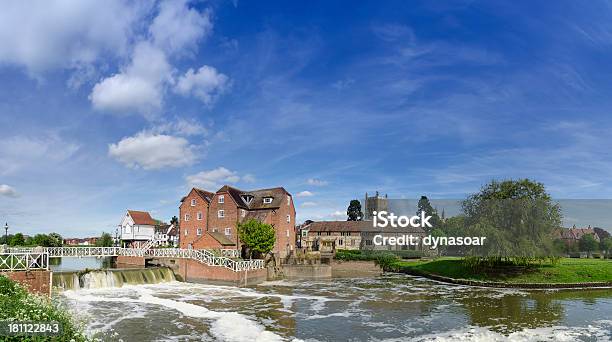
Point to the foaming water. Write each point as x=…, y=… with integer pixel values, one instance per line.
x=390, y=308
x=111, y=278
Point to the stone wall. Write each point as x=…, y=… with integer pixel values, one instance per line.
x=130, y=261
x=307, y=271
x=36, y=281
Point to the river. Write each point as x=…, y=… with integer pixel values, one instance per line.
x=390, y=307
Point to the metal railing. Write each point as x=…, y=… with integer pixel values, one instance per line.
x=21, y=261
x=230, y=253
x=201, y=255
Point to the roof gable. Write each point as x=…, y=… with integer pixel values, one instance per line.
x=142, y=218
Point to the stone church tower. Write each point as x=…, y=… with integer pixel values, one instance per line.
x=374, y=203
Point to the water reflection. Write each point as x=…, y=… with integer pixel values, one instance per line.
x=79, y=264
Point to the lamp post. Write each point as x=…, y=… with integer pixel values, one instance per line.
x=6, y=233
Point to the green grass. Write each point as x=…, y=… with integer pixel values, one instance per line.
x=566, y=271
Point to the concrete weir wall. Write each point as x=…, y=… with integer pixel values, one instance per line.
x=195, y=272
x=307, y=271
x=38, y=281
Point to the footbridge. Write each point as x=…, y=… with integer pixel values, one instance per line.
x=13, y=259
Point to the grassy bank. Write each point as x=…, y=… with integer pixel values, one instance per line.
x=16, y=304
x=565, y=271
x=359, y=255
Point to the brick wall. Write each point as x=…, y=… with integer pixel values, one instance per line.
x=130, y=261
x=193, y=271
x=36, y=281
x=231, y=212
x=188, y=229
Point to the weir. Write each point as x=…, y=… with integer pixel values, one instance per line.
x=111, y=278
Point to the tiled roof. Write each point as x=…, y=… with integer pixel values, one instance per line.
x=222, y=239
x=142, y=217
x=278, y=197
x=356, y=226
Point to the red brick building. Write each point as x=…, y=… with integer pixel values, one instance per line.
x=209, y=220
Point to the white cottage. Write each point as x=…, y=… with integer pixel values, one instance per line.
x=137, y=227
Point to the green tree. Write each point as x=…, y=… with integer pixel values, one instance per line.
x=105, y=240
x=17, y=240
x=517, y=217
x=55, y=240
x=258, y=237
x=425, y=206
x=41, y=240
x=588, y=243
x=354, y=211
x=606, y=245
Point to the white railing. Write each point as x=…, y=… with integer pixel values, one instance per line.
x=23, y=261
x=230, y=253
x=201, y=255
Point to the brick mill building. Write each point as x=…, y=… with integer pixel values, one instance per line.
x=209, y=220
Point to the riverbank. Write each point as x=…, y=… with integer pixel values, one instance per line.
x=16, y=304
x=564, y=274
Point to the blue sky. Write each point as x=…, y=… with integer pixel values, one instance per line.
x=105, y=107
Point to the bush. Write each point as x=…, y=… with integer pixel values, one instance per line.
x=387, y=262
x=16, y=304
x=596, y=256
x=574, y=255
x=358, y=255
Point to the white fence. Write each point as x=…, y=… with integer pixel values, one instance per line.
x=201, y=255
x=23, y=261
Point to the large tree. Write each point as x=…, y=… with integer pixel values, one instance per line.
x=105, y=240
x=354, y=212
x=516, y=216
x=588, y=243
x=425, y=206
x=258, y=237
x=17, y=240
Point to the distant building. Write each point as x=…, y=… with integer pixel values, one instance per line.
x=572, y=236
x=374, y=203
x=209, y=220
x=137, y=227
x=329, y=236
x=166, y=235
x=90, y=241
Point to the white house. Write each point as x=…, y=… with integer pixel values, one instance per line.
x=137, y=227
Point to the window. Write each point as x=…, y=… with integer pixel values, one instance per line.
x=193, y=202
x=221, y=199
x=199, y=215
x=328, y=233
x=199, y=231
x=267, y=200
x=288, y=218
x=187, y=217
x=214, y=230
x=242, y=212
x=247, y=198
x=304, y=233
x=340, y=242
x=318, y=233
x=228, y=231
x=186, y=232
x=288, y=200
x=221, y=213
x=287, y=232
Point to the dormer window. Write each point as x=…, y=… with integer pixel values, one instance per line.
x=221, y=199
x=267, y=200
x=247, y=198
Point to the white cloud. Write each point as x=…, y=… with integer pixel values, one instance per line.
x=60, y=34
x=304, y=193
x=338, y=215
x=212, y=179
x=183, y=127
x=151, y=151
x=7, y=191
x=206, y=84
x=316, y=182
x=248, y=178
x=21, y=152
x=177, y=26
x=309, y=204
x=139, y=87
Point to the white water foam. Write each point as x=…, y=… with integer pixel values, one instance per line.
x=228, y=326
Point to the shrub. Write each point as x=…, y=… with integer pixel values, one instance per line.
x=19, y=305
x=596, y=256
x=387, y=262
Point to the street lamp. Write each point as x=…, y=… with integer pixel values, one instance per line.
x=6, y=233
